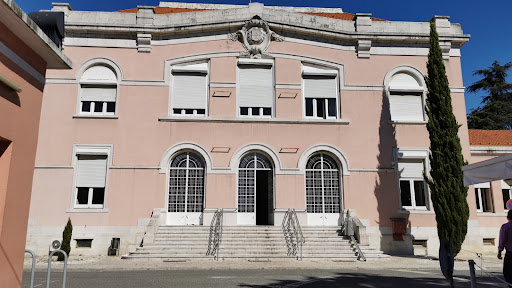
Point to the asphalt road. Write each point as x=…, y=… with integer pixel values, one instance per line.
x=259, y=278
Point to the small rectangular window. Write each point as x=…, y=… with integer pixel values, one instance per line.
x=98, y=107
x=111, y=107
x=86, y=106
x=267, y=111
x=309, y=107
x=506, y=196
x=320, y=108
x=413, y=189
x=488, y=241
x=405, y=192
x=332, y=107
x=484, y=202
x=255, y=111
x=83, y=243
x=90, y=181
x=244, y=111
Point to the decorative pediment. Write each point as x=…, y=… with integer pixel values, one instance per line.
x=255, y=36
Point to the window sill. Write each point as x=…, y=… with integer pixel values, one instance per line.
x=404, y=122
x=414, y=211
x=96, y=116
x=255, y=120
x=491, y=214
x=87, y=210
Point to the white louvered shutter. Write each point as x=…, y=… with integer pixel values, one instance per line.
x=410, y=169
x=189, y=90
x=98, y=93
x=406, y=107
x=319, y=86
x=256, y=86
x=92, y=171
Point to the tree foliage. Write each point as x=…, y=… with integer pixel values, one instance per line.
x=496, y=112
x=449, y=196
x=66, y=240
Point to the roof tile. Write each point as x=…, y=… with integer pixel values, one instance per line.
x=490, y=137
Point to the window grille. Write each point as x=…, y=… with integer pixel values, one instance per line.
x=322, y=185
x=186, y=183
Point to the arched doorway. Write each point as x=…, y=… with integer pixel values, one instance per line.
x=186, y=190
x=255, y=190
x=323, y=191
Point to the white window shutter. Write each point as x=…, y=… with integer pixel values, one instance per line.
x=410, y=169
x=99, y=74
x=98, y=93
x=320, y=87
x=189, y=91
x=256, y=86
x=406, y=107
x=92, y=171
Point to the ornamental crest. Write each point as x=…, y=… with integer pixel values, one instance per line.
x=255, y=36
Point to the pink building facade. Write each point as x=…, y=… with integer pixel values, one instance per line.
x=25, y=54
x=183, y=109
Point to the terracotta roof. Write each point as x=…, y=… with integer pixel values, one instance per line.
x=490, y=137
x=169, y=10
x=164, y=10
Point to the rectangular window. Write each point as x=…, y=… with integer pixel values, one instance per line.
x=483, y=197
x=406, y=106
x=256, y=90
x=83, y=243
x=90, y=181
x=413, y=189
x=320, y=92
x=98, y=99
x=506, y=191
x=189, y=90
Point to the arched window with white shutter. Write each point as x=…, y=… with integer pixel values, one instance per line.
x=98, y=91
x=406, y=91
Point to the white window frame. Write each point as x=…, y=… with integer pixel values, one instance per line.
x=419, y=90
x=417, y=155
x=93, y=150
x=190, y=67
x=478, y=192
x=98, y=84
x=259, y=62
x=312, y=70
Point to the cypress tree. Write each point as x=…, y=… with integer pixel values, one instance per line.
x=449, y=196
x=66, y=240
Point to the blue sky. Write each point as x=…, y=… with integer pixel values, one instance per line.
x=488, y=22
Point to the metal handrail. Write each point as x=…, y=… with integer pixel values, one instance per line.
x=299, y=237
x=285, y=225
x=215, y=234
x=292, y=233
x=348, y=230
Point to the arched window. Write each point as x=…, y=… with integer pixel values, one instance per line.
x=406, y=93
x=322, y=185
x=186, y=183
x=98, y=91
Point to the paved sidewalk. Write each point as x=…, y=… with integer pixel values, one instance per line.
x=82, y=263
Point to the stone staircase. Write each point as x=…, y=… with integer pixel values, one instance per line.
x=257, y=243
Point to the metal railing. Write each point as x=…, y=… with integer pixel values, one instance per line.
x=293, y=233
x=348, y=229
x=48, y=281
x=215, y=234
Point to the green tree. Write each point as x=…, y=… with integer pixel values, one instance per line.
x=66, y=240
x=496, y=112
x=449, y=196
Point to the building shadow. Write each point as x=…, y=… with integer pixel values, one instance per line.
x=10, y=95
x=348, y=280
x=386, y=186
